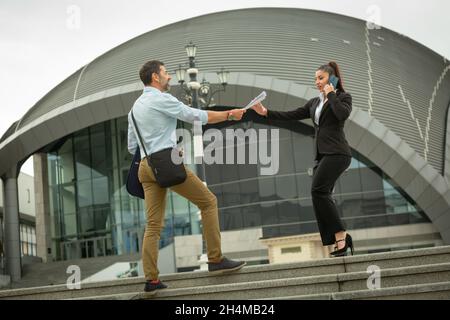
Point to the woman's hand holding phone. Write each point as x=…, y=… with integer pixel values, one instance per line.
x=328, y=88
x=332, y=83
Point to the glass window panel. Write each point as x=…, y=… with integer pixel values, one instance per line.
x=351, y=205
x=306, y=210
x=231, y=194
x=269, y=232
x=86, y=219
x=130, y=213
x=354, y=164
x=309, y=227
x=180, y=204
x=286, y=187
x=101, y=194
x=52, y=163
x=68, y=198
x=267, y=188
x=248, y=171
x=249, y=191
x=303, y=152
x=100, y=247
x=395, y=202
x=370, y=180
x=70, y=223
x=98, y=140
x=83, y=164
x=251, y=216
x=99, y=127
x=361, y=161
x=167, y=233
x=396, y=219
x=195, y=223
x=350, y=182
x=213, y=174
x=182, y=225
x=102, y=218
x=283, y=133
x=387, y=185
x=288, y=211
x=217, y=190
x=231, y=219
x=101, y=162
x=304, y=182
x=81, y=140
x=269, y=213
x=66, y=147
x=373, y=203
x=85, y=196
x=337, y=186
x=286, y=164
x=229, y=172
x=169, y=206
x=65, y=167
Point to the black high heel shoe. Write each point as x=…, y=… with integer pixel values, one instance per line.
x=348, y=244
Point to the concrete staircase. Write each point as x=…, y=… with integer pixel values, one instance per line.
x=409, y=274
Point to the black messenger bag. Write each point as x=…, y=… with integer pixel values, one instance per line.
x=167, y=164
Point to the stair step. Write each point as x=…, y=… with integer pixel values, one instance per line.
x=348, y=273
x=432, y=291
x=312, y=285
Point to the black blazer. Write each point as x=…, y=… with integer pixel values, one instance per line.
x=329, y=134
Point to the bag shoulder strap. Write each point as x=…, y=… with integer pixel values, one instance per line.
x=138, y=133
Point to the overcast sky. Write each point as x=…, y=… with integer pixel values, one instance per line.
x=42, y=42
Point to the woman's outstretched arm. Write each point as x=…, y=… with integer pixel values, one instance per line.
x=297, y=114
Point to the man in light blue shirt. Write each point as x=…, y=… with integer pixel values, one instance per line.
x=156, y=113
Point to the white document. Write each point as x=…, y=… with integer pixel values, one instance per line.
x=257, y=100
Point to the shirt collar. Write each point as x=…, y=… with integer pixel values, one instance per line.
x=150, y=89
x=321, y=96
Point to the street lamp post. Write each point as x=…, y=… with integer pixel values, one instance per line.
x=199, y=95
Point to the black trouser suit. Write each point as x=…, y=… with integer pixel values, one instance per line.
x=332, y=155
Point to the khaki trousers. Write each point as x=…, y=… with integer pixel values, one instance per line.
x=192, y=189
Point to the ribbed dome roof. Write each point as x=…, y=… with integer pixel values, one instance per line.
x=286, y=44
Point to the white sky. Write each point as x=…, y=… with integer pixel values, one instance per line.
x=39, y=47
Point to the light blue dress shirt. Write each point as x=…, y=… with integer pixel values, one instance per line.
x=156, y=115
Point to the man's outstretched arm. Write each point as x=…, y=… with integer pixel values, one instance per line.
x=219, y=116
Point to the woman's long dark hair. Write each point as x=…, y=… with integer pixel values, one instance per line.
x=333, y=69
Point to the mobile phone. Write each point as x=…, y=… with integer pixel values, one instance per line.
x=333, y=80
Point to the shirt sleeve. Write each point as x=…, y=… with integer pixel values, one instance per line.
x=172, y=107
x=132, y=141
x=297, y=114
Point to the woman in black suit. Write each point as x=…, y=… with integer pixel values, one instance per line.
x=332, y=152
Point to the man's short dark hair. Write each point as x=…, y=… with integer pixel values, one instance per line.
x=148, y=69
